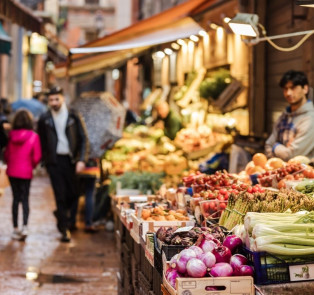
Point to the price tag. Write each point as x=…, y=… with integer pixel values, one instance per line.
x=183, y=229
x=302, y=272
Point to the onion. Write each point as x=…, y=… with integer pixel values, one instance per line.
x=198, y=251
x=171, y=277
x=183, y=258
x=243, y=270
x=173, y=261
x=207, y=246
x=232, y=242
x=210, y=288
x=196, y=268
x=208, y=259
x=221, y=269
x=237, y=260
x=222, y=254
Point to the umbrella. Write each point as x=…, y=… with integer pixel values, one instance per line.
x=33, y=105
x=104, y=117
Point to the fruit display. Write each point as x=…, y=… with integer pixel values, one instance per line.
x=272, y=178
x=159, y=213
x=202, y=137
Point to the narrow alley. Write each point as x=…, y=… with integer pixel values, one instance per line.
x=86, y=265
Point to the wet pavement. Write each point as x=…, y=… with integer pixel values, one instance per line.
x=86, y=265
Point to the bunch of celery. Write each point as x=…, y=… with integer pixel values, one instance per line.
x=269, y=201
x=281, y=233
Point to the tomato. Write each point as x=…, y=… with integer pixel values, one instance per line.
x=255, y=189
x=250, y=189
x=206, y=206
x=212, y=205
x=222, y=206
x=221, y=198
x=281, y=184
x=223, y=191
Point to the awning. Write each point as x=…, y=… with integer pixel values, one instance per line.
x=18, y=13
x=5, y=41
x=164, y=27
x=180, y=29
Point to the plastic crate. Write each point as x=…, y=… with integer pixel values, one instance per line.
x=169, y=250
x=137, y=251
x=129, y=240
x=145, y=266
x=126, y=256
x=144, y=285
x=270, y=269
x=134, y=271
x=157, y=282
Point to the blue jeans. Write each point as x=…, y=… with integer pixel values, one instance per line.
x=89, y=199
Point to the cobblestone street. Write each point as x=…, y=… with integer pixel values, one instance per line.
x=86, y=265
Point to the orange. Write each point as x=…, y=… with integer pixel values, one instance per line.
x=259, y=159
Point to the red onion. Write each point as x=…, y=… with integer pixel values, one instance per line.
x=173, y=261
x=221, y=269
x=196, y=268
x=232, y=242
x=171, y=277
x=210, y=288
x=209, y=259
x=237, y=260
x=222, y=254
x=243, y=270
x=198, y=251
x=183, y=258
x=207, y=246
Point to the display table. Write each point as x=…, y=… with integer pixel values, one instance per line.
x=302, y=288
x=137, y=274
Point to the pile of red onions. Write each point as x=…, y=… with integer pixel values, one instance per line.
x=209, y=258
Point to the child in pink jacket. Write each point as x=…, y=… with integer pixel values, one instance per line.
x=22, y=155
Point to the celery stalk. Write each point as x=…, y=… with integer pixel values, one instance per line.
x=265, y=240
x=284, y=249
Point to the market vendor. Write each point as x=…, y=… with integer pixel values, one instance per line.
x=293, y=132
x=167, y=119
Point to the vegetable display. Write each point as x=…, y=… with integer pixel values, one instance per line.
x=269, y=201
x=281, y=233
x=209, y=258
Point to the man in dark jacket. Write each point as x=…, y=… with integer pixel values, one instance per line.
x=65, y=150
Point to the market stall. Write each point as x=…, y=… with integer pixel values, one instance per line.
x=220, y=233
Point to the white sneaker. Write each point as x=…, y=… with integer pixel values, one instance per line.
x=24, y=231
x=109, y=226
x=16, y=235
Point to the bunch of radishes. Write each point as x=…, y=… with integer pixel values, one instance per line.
x=209, y=257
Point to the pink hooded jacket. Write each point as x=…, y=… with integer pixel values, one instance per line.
x=22, y=153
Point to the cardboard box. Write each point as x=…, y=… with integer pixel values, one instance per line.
x=141, y=227
x=201, y=286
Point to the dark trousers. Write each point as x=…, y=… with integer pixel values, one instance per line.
x=20, y=189
x=64, y=184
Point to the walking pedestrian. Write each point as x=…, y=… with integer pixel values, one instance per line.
x=22, y=155
x=88, y=179
x=65, y=149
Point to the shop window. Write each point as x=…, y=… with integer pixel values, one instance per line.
x=92, y=2
x=90, y=36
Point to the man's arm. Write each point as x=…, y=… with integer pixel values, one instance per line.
x=42, y=136
x=302, y=144
x=84, y=142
